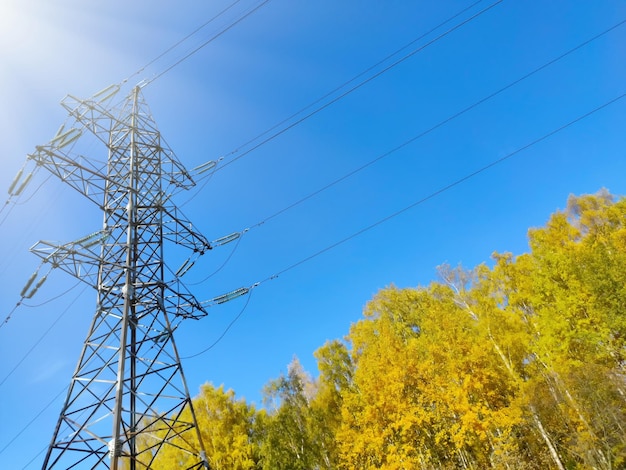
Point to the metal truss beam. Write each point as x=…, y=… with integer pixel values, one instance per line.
x=128, y=400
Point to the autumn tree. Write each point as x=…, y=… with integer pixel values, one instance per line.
x=226, y=426
x=519, y=363
x=286, y=438
x=554, y=317
x=335, y=379
x=426, y=392
x=576, y=299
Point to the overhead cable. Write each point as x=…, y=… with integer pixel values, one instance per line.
x=447, y=187
x=350, y=90
x=345, y=84
x=8, y=317
x=205, y=43
x=248, y=291
x=221, y=266
x=45, y=333
x=33, y=420
x=181, y=41
x=441, y=123
x=230, y=325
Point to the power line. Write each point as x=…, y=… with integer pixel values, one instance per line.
x=233, y=321
x=430, y=196
x=7, y=203
x=445, y=188
x=33, y=420
x=45, y=333
x=350, y=90
x=8, y=317
x=440, y=123
x=181, y=41
x=376, y=75
x=353, y=79
x=228, y=258
x=34, y=458
x=186, y=56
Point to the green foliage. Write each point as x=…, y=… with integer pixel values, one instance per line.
x=288, y=434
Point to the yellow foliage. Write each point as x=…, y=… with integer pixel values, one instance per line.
x=518, y=365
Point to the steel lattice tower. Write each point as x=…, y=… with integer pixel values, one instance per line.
x=128, y=398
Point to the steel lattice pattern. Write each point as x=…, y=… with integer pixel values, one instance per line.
x=128, y=397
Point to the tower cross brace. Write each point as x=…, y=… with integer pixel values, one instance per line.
x=128, y=399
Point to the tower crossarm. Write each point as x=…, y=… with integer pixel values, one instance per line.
x=183, y=303
x=76, y=258
x=96, y=115
x=177, y=229
x=177, y=174
x=78, y=172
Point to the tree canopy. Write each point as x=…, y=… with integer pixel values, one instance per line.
x=515, y=364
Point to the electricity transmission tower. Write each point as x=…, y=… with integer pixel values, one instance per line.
x=128, y=399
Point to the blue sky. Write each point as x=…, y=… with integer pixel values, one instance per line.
x=274, y=63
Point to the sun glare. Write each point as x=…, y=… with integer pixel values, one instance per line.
x=21, y=34
x=37, y=60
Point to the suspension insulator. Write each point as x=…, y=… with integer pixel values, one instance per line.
x=107, y=93
x=21, y=187
x=86, y=238
x=61, y=136
x=67, y=142
x=205, y=167
x=60, y=130
x=15, y=180
x=220, y=299
x=163, y=336
x=96, y=240
x=28, y=283
x=227, y=239
x=187, y=265
x=37, y=286
x=182, y=267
